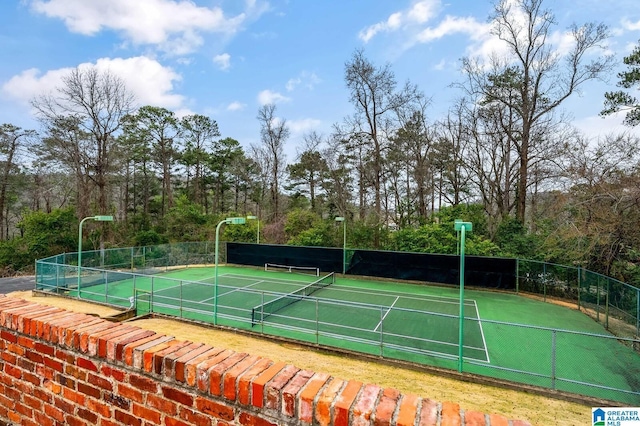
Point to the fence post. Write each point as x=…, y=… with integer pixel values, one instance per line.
x=262, y=313
x=517, y=276
x=317, y=323
x=381, y=332
x=579, y=282
x=553, y=359
x=598, y=299
x=606, y=309
x=544, y=281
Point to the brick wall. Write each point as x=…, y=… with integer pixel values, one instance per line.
x=63, y=368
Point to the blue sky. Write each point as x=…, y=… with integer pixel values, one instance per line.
x=226, y=58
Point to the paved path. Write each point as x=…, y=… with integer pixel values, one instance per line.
x=7, y=285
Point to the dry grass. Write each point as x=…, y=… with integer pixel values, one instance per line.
x=538, y=410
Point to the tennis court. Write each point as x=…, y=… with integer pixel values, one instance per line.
x=317, y=310
x=505, y=336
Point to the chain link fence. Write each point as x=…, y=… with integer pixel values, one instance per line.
x=598, y=365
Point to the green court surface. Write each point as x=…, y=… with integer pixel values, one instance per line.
x=506, y=336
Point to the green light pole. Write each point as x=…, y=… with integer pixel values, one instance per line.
x=258, y=231
x=97, y=219
x=232, y=221
x=344, y=242
x=461, y=226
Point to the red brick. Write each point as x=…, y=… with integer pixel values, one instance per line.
x=87, y=364
x=177, y=395
x=162, y=404
x=127, y=418
x=520, y=423
x=247, y=419
x=87, y=415
x=54, y=412
x=53, y=364
x=408, y=410
x=273, y=389
x=158, y=361
x=8, y=336
x=191, y=366
x=291, y=390
x=121, y=344
x=71, y=335
x=38, y=324
x=498, y=420
x=117, y=374
x=179, y=368
x=386, y=407
x=450, y=414
x=194, y=418
x=100, y=381
x=365, y=404
x=325, y=400
x=217, y=371
x=144, y=358
x=45, y=349
x=32, y=402
x=174, y=422
x=429, y=413
x=129, y=348
x=202, y=369
x=130, y=393
x=474, y=418
x=344, y=401
x=244, y=381
x=73, y=396
x=143, y=383
x=89, y=390
x=259, y=382
x=146, y=413
x=230, y=378
x=169, y=360
x=99, y=407
x=42, y=419
x=308, y=394
x=98, y=341
x=59, y=326
x=214, y=408
x=23, y=409
x=140, y=348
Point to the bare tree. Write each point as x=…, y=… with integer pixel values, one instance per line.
x=11, y=137
x=377, y=103
x=534, y=78
x=273, y=134
x=95, y=101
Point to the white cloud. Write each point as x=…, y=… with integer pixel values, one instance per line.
x=304, y=125
x=223, y=61
x=419, y=13
x=148, y=80
x=306, y=79
x=452, y=25
x=269, y=97
x=173, y=25
x=236, y=106
x=630, y=26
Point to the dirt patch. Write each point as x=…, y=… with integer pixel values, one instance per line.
x=536, y=409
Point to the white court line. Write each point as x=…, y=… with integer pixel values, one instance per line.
x=237, y=289
x=484, y=342
x=385, y=315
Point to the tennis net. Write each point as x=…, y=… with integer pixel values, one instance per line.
x=262, y=311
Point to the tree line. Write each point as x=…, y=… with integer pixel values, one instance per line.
x=504, y=156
